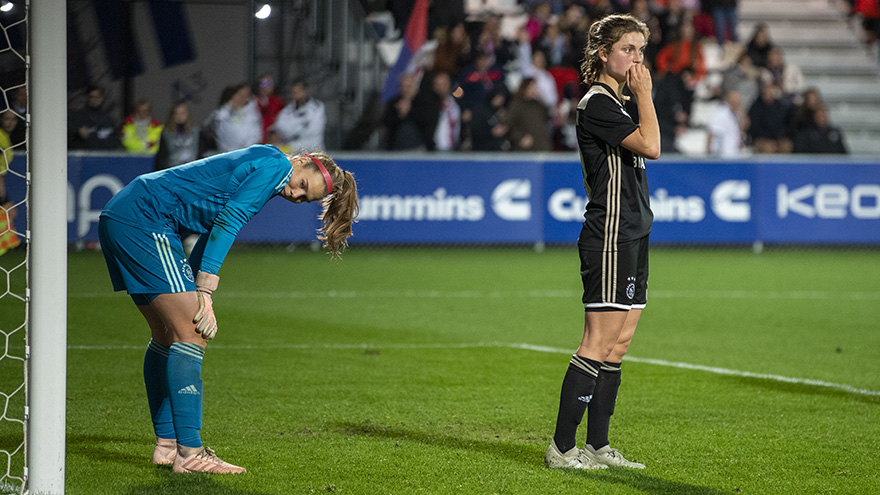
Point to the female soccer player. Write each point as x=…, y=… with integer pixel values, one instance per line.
x=215, y=197
x=614, y=141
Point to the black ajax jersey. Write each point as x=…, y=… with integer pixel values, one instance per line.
x=617, y=186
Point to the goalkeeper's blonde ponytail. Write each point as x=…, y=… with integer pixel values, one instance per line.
x=340, y=206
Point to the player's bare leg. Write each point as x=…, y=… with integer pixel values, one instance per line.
x=605, y=396
x=602, y=330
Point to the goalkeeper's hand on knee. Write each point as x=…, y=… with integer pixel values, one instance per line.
x=206, y=322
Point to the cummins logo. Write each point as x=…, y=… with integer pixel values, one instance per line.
x=730, y=201
x=511, y=200
x=565, y=205
x=829, y=201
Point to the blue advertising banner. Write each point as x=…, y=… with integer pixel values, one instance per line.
x=819, y=203
x=692, y=202
x=512, y=198
x=447, y=201
x=697, y=202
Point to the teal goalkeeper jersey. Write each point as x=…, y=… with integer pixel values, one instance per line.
x=218, y=194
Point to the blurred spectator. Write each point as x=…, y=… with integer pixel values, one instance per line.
x=553, y=43
x=489, y=41
x=641, y=10
x=725, y=128
x=428, y=106
x=8, y=239
x=769, y=119
x=533, y=65
x=686, y=52
x=301, y=124
x=479, y=80
x=92, y=128
x=18, y=104
x=725, y=16
x=529, y=119
x=670, y=20
x=674, y=96
x=869, y=11
x=803, y=119
x=179, y=143
x=488, y=122
x=539, y=15
x=8, y=122
x=565, y=121
x=821, y=138
x=237, y=123
x=787, y=76
x=759, y=45
x=453, y=50
x=402, y=130
x=742, y=77
x=598, y=9
x=269, y=103
x=447, y=133
x=575, y=23
x=444, y=13
x=140, y=131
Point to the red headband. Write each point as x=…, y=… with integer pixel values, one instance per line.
x=327, y=178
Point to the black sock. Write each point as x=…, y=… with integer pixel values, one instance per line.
x=577, y=391
x=602, y=405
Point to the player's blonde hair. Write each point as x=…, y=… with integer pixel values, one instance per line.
x=340, y=206
x=604, y=33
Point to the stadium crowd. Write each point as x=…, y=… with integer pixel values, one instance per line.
x=517, y=93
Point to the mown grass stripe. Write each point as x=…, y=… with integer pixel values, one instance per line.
x=547, y=294
x=528, y=347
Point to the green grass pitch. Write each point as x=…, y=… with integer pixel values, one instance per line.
x=437, y=371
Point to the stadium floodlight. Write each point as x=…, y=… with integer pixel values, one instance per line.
x=264, y=12
x=6, y=6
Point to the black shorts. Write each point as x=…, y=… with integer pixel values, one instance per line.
x=615, y=279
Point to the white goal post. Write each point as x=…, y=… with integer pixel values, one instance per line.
x=47, y=271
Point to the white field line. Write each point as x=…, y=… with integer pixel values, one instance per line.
x=527, y=347
x=531, y=294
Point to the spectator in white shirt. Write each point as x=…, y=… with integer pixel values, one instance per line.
x=300, y=125
x=447, y=135
x=725, y=128
x=533, y=64
x=237, y=123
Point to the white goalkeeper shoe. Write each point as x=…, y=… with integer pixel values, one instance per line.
x=204, y=460
x=609, y=457
x=165, y=451
x=555, y=459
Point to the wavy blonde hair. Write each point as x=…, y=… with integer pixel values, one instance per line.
x=340, y=207
x=604, y=33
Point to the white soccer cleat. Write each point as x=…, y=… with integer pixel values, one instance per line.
x=555, y=459
x=609, y=457
x=165, y=451
x=204, y=460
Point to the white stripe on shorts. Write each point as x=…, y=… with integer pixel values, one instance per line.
x=164, y=249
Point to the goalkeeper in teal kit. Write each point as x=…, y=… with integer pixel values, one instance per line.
x=215, y=197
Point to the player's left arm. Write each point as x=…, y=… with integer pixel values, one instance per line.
x=255, y=190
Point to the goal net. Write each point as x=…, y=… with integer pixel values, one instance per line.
x=14, y=123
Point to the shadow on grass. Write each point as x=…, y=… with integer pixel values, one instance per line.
x=528, y=455
x=192, y=484
x=806, y=389
x=98, y=448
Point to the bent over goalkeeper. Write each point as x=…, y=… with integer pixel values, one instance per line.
x=214, y=197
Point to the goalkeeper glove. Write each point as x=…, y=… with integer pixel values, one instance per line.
x=206, y=322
